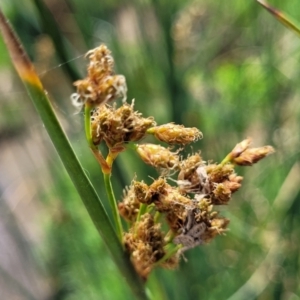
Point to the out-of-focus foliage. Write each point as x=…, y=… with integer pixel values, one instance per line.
x=229, y=69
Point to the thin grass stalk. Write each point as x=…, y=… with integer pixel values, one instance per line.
x=83, y=185
x=113, y=205
x=281, y=17
x=107, y=174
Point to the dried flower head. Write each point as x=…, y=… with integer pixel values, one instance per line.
x=145, y=242
x=186, y=209
x=142, y=192
x=158, y=156
x=176, y=134
x=191, y=232
x=240, y=148
x=117, y=126
x=194, y=179
x=200, y=224
x=101, y=85
x=244, y=156
x=253, y=155
x=129, y=207
x=223, y=182
x=149, y=194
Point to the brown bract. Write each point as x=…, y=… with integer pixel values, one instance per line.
x=186, y=209
x=242, y=155
x=253, y=155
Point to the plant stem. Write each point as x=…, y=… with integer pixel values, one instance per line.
x=169, y=236
x=83, y=185
x=226, y=160
x=142, y=210
x=106, y=169
x=87, y=125
x=156, y=217
x=113, y=205
x=283, y=18
x=168, y=254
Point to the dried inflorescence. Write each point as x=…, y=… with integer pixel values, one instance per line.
x=176, y=134
x=186, y=209
x=192, y=221
x=183, y=214
x=117, y=126
x=242, y=155
x=129, y=207
x=145, y=242
x=158, y=156
x=101, y=85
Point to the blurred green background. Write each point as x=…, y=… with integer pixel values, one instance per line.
x=226, y=67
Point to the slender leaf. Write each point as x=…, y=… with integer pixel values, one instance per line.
x=284, y=19
x=49, y=23
x=88, y=195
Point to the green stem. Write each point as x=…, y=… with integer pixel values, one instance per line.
x=87, y=192
x=113, y=205
x=132, y=146
x=226, y=160
x=156, y=288
x=169, y=236
x=106, y=169
x=169, y=254
x=156, y=217
x=142, y=210
x=69, y=159
x=87, y=125
x=150, y=208
x=150, y=130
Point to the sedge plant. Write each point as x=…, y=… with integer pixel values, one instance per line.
x=178, y=210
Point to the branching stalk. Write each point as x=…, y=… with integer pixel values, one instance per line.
x=113, y=205
x=83, y=185
x=106, y=169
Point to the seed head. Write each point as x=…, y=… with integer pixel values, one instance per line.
x=117, y=126
x=130, y=205
x=142, y=192
x=176, y=134
x=145, y=243
x=253, y=155
x=101, y=85
x=242, y=155
x=158, y=156
x=219, y=173
x=189, y=166
x=240, y=148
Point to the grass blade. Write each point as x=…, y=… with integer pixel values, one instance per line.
x=285, y=20
x=88, y=195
